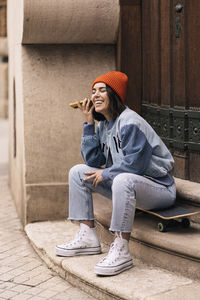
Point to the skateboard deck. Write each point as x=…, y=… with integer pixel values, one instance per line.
x=172, y=216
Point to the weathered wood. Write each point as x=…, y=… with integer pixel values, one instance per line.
x=3, y=2
x=165, y=58
x=169, y=63
x=151, y=51
x=130, y=54
x=194, y=167
x=192, y=53
x=3, y=29
x=178, y=58
x=146, y=38
x=130, y=2
x=181, y=169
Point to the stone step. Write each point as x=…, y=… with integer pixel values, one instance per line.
x=188, y=191
x=177, y=250
x=142, y=282
x=188, y=194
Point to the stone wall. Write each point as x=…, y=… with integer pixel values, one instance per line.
x=56, y=49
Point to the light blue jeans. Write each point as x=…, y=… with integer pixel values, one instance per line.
x=126, y=191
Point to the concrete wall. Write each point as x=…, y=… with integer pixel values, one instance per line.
x=55, y=51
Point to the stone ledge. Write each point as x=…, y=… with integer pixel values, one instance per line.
x=140, y=282
x=47, y=201
x=69, y=22
x=188, y=190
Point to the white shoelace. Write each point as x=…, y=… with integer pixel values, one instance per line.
x=113, y=254
x=77, y=238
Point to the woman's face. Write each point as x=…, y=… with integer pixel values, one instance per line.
x=100, y=99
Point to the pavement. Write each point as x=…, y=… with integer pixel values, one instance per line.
x=23, y=275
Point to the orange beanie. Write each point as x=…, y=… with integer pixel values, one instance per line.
x=117, y=81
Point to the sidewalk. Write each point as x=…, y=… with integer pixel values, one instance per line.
x=22, y=273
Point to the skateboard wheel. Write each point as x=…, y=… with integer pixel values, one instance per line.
x=185, y=223
x=162, y=227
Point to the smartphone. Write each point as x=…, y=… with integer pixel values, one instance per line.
x=75, y=104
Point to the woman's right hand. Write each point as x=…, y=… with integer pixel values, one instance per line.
x=87, y=109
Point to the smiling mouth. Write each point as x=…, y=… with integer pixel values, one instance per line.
x=98, y=102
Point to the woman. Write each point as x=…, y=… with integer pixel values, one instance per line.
x=136, y=171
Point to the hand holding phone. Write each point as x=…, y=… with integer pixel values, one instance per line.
x=87, y=109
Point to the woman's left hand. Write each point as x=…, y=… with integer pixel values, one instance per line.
x=95, y=175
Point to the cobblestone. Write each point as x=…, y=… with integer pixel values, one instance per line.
x=22, y=273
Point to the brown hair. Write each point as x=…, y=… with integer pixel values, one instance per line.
x=116, y=106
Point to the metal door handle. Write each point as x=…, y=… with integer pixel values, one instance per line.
x=178, y=7
x=177, y=27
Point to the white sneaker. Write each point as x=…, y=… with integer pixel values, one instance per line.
x=85, y=242
x=117, y=260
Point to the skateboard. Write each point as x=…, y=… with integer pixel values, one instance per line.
x=171, y=217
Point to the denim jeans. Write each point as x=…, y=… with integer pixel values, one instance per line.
x=126, y=191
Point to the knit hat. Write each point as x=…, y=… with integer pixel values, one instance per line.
x=117, y=81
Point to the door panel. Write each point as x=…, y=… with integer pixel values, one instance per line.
x=169, y=99
x=129, y=58
x=178, y=56
x=151, y=51
x=193, y=53
x=165, y=54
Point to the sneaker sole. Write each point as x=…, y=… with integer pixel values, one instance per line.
x=74, y=252
x=109, y=271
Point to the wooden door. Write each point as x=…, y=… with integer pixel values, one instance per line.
x=160, y=51
x=3, y=30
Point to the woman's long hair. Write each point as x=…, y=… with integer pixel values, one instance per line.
x=116, y=107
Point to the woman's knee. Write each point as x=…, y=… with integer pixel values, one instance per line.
x=123, y=182
x=76, y=171
x=124, y=179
